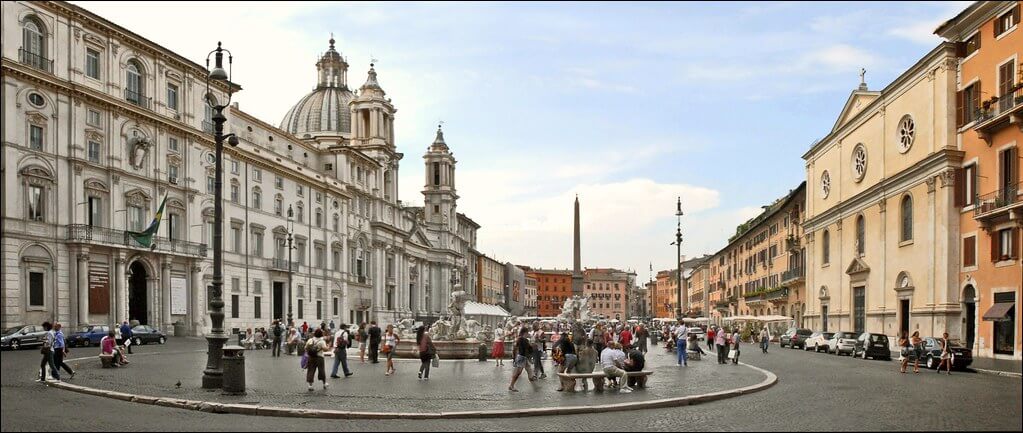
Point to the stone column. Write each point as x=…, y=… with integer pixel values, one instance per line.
x=83, y=287
x=153, y=292
x=120, y=285
x=196, y=293
x=165, y=297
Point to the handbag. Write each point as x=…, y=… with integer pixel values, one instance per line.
x=304, y=361
x=732, y=354
x=385, y=350
x=436, y=361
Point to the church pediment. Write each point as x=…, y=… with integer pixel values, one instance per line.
x=858, y=266
x=418, y=237
x=858, y=100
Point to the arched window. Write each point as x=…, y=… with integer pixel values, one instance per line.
x=133, y=83
x=279, y=205
x=34, y=46
x=319, y=218
x=299, y=215
x=337, y=223
x=907, y=218
x=826, y=248
x=257, y=198
x=861, y=235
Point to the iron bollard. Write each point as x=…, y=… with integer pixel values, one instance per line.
x=234, y=370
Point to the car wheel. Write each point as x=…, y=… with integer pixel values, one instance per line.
x=816, y=348
x=138, y=341
x=162, y=340
x=864, y=353
x=86, y=342
x=15, y=345
x=930, y=362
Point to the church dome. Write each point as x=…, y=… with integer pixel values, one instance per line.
x=325, y=110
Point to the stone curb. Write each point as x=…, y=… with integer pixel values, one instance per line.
x=997, y=372
x=246, y=409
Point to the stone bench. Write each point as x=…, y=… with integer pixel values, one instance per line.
x=107, y=361
x=598, y=379
x=694, y=355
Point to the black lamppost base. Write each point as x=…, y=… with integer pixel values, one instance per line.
x=213, y=376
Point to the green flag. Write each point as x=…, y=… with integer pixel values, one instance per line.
x=145, y=238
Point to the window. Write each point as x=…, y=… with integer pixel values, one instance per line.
x=300, y=248
x=907, y=133
x=1007, y=21
x=211, y=183
x=337, y=223
x=257, y=244
x=825, y=184
x=299, y=214
x=257, y=175
x=969, y=188
x=173, y=226
x=319, y=218
x=36, y=202
x=93, y=151
x=970, y=251
x=234, y=167
x=172, y=96
x=826, y=248
x=136, y=218
x=319, y=197
x=34, y=45
x=967, y=104
x=172, y=173
x=172, y=144
x=133, y=84
x=301, y=310
x=319, y=309
x=971, y=45
x=335, y=306
x=257, y=286
x=257, y=307
x=35, y=289
x=35, y=137
x=1003, y=245
x=278, y=206
x=236, y=285
x=257, y=196
x=336, y=258
x=92, y=118
x=299, y=190
x=320, y=257
x=907, y=218
x=1008, y=172
x=234, y=306
x=436, y=173
x=95, y=211
x=236, y=234
x=859, y=162
x=91, y=63
x=279, y=182
x=861, y=235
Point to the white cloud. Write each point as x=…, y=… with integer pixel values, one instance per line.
x=922, y=31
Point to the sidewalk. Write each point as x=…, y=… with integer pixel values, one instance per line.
x=1006, y=367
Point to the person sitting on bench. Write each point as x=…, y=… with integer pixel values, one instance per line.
x=613, y=359
x=694, y=345
x=635, y=362
x=108, y=347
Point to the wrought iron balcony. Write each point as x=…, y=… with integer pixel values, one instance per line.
x=279, y=264
x=992, y=204
x=794, y=275
x=138, y=98
x=35, y=60
x=792, y=244
x=721, y=305
x=84, y=233
x=999, y=112
x=777, y=296
x=363, y=303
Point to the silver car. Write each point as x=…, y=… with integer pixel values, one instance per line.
x=842, y=342
x=818, y=341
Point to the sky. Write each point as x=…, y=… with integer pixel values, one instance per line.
x=627, y=105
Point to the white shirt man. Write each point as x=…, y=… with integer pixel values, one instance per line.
x=340, y=350
x=613, y=359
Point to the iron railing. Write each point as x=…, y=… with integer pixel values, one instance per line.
x=793, y=274
x=35, y=60
x=777, y=294
x=137, y=98
x=1004, y=104
x=279, y=264
x=792, y=243
x=994, y=201
x=363, y=303
x=85, y=233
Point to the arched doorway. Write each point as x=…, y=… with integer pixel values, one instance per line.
x=970, y=314
x=138, y=293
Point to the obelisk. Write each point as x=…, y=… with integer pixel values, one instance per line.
x=577, y=273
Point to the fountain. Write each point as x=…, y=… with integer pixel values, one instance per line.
x=453, y=335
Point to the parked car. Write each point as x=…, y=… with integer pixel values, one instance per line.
x=817, y=341
x=701, y=335
x=17, y=337
x=794, y=337
x=842, y=341
x=144, y=334
x=871, y=345
x=962, y=356
x=88, y=335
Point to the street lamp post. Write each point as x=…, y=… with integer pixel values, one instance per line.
x=678, y=243
x=213, y=376
x=291, y=247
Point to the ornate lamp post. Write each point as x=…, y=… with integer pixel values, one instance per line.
x=213, y=376
x=291, y=247
x=679, y=309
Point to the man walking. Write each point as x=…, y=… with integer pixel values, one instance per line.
x=277, y=330
x=680, y=345
x=374, y=342
x=641, y=337
x=59, y=350
x=126, y=335
x=719, y=341
x=341, y=339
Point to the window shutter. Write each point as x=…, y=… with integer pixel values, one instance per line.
x=960, y=49
x=960, y=188
x=1014, y=238
x=970, y=251
x=995, y=247
x=975, y=102
x=1014, y=166
x=1015, y=14
x=960, y=109
x=998, y=26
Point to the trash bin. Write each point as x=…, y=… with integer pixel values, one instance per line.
x=483, y=352
x=234, y=370
x=179, y=329
x=240, y=338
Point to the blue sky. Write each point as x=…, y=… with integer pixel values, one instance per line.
x=626, y=104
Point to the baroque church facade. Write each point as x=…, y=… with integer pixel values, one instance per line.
x=100, y=125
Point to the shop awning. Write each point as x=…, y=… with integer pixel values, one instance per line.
x=998, y=312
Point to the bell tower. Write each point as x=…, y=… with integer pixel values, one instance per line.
x=439, y=191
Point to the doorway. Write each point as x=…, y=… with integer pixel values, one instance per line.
x=903, y=317
x=137, y=293
x=970, y=308
x=859, y=309
x=824, y=318
x=278, y=300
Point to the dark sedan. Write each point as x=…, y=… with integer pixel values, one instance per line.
x=871, y=345
x=795, y=337
x=88, y=335
x=20, y=336
x=962, y=356
x=145, y=334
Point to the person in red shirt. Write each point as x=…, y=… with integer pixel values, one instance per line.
x=710, y=338
x=626, y=338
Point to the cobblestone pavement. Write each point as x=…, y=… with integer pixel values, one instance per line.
x=814, y=392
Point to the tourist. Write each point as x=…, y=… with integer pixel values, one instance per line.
x=612, y=359
x=765, y=339
x=361, y=337
x=390, y=345
x=498, y=349
x=587, y=361
x=906, y=351
x=946, y=355
x=710, y=338
x=694, y=344
x=625, y=337
x=426, y=352
x=59, y=351
x=47, y=352
x=642, y=335
x=520, y=355
x=341, y=339
x=277, y=331
x=247, y=342
x=126, y=335
x=294, y=339
x=917, y=351
x=720, y=341
x=567, y=357
x=635, y=362
x=537, y=343
x=108, y=346
x=314, y=349
x=597, y=338
x=331, y=326
x=305, y=329
x=680, y=346
x=374, y=342
x=735, y=345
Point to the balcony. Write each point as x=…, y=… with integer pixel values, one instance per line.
x=777, y=296
x=35, y=60
x=86, y=234
x=721, y=305
x=278, y=264
x=999, y=112
x=754, y=298
x=792, y=244
x=138, y=99
x=793, y=276
x=363, y=303
x=733, y=300
x=992, y=205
